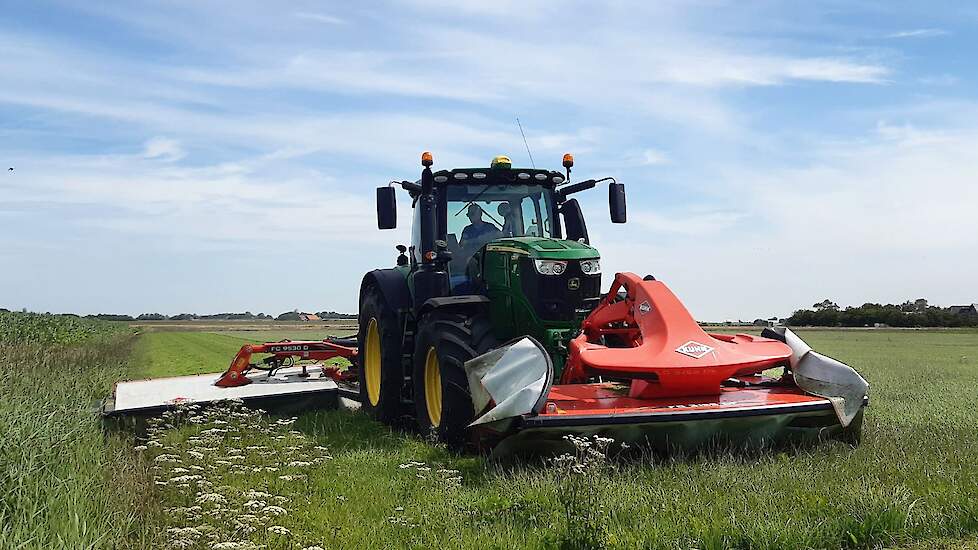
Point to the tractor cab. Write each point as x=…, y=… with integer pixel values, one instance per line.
x=474, y=213
x=474, y=207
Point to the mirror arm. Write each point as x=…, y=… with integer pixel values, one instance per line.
x=408, y=186
x=563, y=192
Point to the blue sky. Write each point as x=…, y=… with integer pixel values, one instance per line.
x=203, y=157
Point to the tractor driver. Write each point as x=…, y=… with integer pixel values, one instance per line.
x=479, y=230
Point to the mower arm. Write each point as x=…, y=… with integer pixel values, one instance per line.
x=317, y=350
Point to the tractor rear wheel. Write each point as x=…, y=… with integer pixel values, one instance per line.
x=445, y=341
x=379, y=358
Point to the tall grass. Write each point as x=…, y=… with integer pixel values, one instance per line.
x=45, y=328
x=63, y=482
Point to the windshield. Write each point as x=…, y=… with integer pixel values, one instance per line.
x=495, y=211
x=478, y=214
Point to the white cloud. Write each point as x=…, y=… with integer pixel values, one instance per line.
x=834, y=70
x=163, y=148
x=320, y=18
x=908, y=135
x=650, y=157
x=918, y=33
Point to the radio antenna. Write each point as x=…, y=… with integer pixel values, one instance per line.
x=527, y=145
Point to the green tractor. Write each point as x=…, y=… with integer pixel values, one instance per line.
x=496, y=253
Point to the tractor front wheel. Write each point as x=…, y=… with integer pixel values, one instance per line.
x=445, y=341
x=379, y=358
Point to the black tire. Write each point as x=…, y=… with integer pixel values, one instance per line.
x=386, y=403
x=454, y=338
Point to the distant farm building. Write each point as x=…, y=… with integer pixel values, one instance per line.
x=309, y=317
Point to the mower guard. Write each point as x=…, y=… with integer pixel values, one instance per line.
x=515, y=377
x=823, y=376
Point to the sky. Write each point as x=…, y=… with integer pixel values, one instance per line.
x=222, y=156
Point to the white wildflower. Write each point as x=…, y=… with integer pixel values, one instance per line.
x=185, y=479
x=213, y=498
x=255, y=504
x=167, y=458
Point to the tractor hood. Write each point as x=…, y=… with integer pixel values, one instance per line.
x=544, y=248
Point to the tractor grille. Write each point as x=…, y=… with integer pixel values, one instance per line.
x=553, y=297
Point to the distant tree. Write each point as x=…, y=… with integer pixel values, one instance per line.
x=151, y=317
x=826, y=305
x=289, y=316
x=906, y=314
x=336, y=315
x=184, y=317
x=111, y=317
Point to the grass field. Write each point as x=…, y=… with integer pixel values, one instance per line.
x=177, y=353
x=342, y=481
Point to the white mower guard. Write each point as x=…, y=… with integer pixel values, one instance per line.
x=516, y=377
x=825, y=377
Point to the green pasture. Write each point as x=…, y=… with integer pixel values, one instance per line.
x=912, y=483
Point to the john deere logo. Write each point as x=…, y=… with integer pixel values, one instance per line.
x=694, y=349
x=574, y=283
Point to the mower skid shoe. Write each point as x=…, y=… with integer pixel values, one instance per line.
x=508, y=382
x=823, y=376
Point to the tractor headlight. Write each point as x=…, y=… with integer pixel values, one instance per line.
x=550, y=267
x=591, y=267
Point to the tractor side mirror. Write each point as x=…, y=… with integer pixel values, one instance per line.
x=574, y=221
x=386, y=208
x=616, y=202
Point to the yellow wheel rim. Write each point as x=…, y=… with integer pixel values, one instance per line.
x=371, y=363
x=432, y=387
